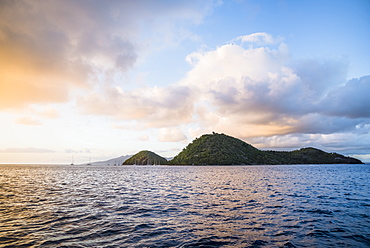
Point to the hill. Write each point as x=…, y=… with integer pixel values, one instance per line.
x=145, y=158
x=221, y=149
x=113, y=161
x=312, y=155
x=217, y=149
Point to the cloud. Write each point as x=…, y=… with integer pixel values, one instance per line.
x=259, y=38
x=26, y=150
x=28, y=121
x=318, y=123
x=348, y=143
x=318, y=76
x=349, y=100
x=251, y=89
x=248, y=93
x=33, y=116
x=234, y=62
x=50, y=48
x=261, y=91
x=152, y=107
x=48, y=113
x=143, y=138
x=35, y=63
x=171, y=135
x=77, y=151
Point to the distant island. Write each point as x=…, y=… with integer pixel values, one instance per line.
x=145, y=158
x=221, y=149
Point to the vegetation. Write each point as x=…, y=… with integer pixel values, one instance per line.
x=145, y=158
x=216, y=149
x=220, y=149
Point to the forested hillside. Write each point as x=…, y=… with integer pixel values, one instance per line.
x=221, y=149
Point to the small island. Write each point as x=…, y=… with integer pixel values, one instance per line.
x=221, y=149
x=145, y=158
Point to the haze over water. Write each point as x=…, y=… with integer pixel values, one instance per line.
x=187, y=206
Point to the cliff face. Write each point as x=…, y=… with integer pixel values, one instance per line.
x=145, y=158
x=220, y=149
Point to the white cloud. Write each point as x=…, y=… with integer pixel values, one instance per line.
x=259, y=38
x=28, y=121
x=26, y=150
x=77, y=151
x=171, y=135
x=143, y=138
x=234, y=62
x=152, y=107
x=48, y=113
x=36, y=116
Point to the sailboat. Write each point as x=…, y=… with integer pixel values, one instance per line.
x=73, y=158
x=89, y=162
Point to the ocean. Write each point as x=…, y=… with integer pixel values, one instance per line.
x=185, y=206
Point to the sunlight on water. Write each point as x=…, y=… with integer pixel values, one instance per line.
x=217, y=206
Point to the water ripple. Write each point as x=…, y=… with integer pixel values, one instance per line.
x=217, y=206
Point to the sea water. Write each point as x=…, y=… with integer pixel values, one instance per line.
x=185, y=206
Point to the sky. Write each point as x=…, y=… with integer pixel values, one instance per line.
x=83, y=80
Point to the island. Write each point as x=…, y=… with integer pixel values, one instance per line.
x=221, y=149
x=146, y=158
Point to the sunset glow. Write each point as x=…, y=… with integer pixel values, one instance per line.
x=101, y=79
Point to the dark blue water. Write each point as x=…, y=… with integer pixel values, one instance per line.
x=217, y=206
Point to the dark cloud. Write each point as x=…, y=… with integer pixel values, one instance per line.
x=349, y=100
x=323, y=124
x=318, y=76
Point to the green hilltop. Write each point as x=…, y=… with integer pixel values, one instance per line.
x=145, y=158
x=217, y=149
x=221, y=149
